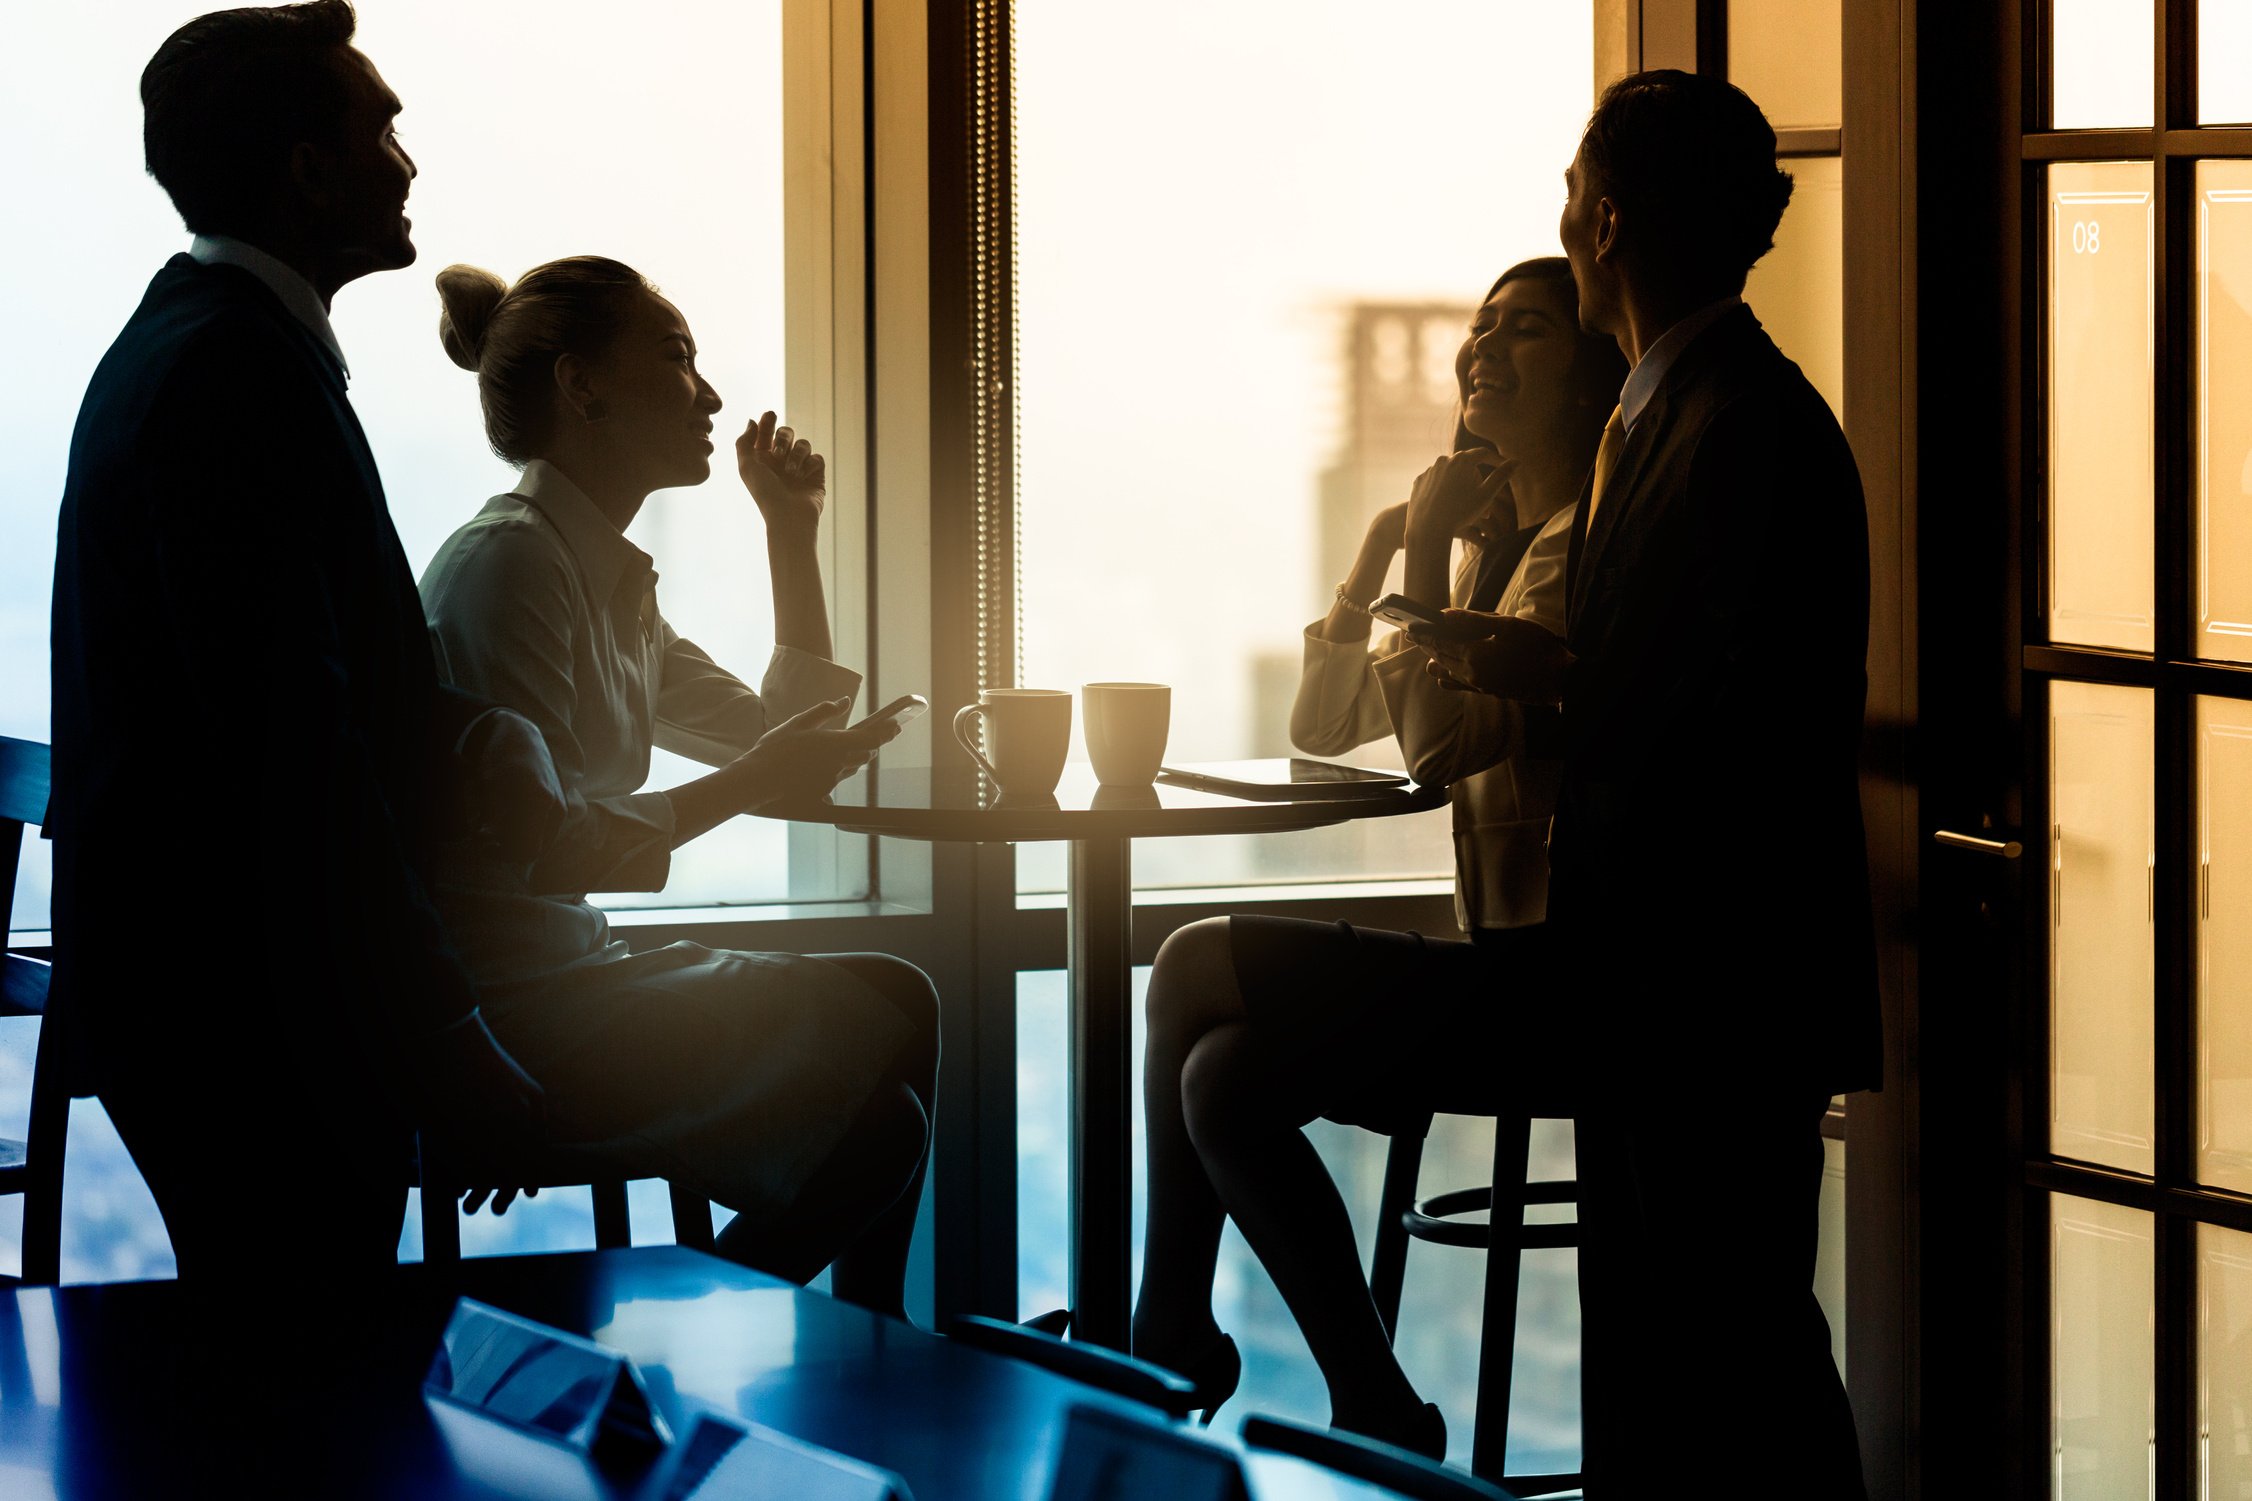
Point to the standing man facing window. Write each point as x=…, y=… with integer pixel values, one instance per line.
x=1709, y=885
x=252, y=750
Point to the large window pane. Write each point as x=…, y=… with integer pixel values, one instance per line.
x=2224, y=1362
x=2101, y=1421
x=2224, y=41
x=2224, y=946
x=1798, y=288
x=2099, y=380
x=1246, y=253
x=528, y=150
x=2224, y=409
x=1788, y=55
x=2103, y=63
x=2101, y=854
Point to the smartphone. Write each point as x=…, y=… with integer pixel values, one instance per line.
x=1399, y=610
x=900, y=710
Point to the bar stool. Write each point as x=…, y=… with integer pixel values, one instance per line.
x=1505, y=1237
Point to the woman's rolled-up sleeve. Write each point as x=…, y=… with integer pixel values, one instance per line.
x=710, y=715
x=1338, y=707
x=1444, y=735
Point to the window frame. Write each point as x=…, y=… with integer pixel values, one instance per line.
x=879, y=280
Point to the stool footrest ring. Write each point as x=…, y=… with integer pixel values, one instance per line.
x=1435, y=1219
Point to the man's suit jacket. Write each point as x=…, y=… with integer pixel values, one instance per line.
x=1707, y=856
x=248, y=720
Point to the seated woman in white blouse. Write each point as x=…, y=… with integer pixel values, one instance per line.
x=1259, y=1024
x=796, y=1090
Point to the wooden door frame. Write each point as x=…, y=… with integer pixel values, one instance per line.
x=1879, y=141
x=1937, y=1345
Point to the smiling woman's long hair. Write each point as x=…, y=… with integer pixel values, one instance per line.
x=512, y=336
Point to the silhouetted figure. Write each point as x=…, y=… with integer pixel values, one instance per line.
x=1259, y=1024
x=1708, y=885
x=253, y=752
x=796, y=1090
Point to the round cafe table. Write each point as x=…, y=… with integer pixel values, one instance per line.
x=1100, y=823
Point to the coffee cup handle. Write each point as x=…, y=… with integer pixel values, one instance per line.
x=965, y=733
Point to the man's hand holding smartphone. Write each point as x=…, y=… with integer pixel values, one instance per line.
x=1504, y=655
x=1407, y=614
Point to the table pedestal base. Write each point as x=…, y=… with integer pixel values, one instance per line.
x=1101, y=908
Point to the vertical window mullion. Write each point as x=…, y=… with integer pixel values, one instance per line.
x=2175, y=1250
x=2174, y=1058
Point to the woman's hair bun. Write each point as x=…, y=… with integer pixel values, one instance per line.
x=467, y=296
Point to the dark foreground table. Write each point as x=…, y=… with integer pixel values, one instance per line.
x=1100, y=823
x=102, y=1395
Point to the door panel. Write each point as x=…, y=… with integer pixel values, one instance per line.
x=2100, y=332
x=2224, y=944
x=2224, y=1362
x=2224, y=410
x=2101, y=56
x=2101, y=842
x=2102, y=1394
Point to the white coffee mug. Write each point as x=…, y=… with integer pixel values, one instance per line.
x=1027, y=734
x=1126, y=725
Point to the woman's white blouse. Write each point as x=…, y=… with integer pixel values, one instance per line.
x=539, y=603
x=1352, y=692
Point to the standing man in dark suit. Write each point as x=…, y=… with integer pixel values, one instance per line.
x=252, y=749
x=1709, y=887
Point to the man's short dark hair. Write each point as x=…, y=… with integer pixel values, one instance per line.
x=230, y=95
x=1694, y=159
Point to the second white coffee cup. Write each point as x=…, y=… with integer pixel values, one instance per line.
x=1126, y=725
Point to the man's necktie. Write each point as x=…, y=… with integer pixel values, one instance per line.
x=1606, y=460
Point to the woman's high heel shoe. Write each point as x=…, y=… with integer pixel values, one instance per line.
x=1424, y=1433
x=1216, y=1373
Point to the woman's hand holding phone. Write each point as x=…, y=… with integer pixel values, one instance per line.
x=808, y=754
x=797, y=761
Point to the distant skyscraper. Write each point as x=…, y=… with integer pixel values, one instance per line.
x=1397, y=369
x=1399, y=406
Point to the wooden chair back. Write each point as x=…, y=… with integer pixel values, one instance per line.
x=32, y=1167
x=444, y=1176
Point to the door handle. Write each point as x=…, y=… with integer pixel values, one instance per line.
x=2007, y=849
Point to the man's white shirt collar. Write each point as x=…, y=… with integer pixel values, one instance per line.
x=1643, y=380
x=295, y=292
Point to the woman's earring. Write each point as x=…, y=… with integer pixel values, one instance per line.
x=595, y=410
